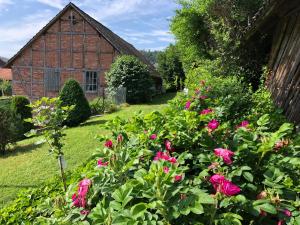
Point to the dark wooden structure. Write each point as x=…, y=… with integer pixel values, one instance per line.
x=71, y=45
x=281, y=20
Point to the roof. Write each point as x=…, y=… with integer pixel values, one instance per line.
x=2, y=61
x=5, y=74
x=116, y=41
x=269, y=14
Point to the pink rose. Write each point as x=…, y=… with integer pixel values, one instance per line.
x=216, y=180
x=188, y=105
x=206, y=111
x=244, y=123
x=79, y=198
x=108, y=144
x=172, y=160
x=229, y=189
x=178, y=178
x=203, y=97
x=213, y=124
x=224, y=186
x=166, y=169
x=168, y=146
x=101, y=163
x=287, y=212
x=280, y=222
x=225, y=154
x=153, y=136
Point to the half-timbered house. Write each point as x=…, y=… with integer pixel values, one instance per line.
x=71, y=45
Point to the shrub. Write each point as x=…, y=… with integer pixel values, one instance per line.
x=72, y=94
x=129, y=72
x=98, y=106
x=8, y=128
x=20, y=107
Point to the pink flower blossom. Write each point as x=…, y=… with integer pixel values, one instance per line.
x=203, y=97
x=108, y=144
x=244, y=123
x=206, y=111
x=188, y=105
x=213, y=124
x=172, y=160
x=229, y=189
x=79, y=198
x=216, y=180
x=166, y=169
x=287, y=212
x=165, y=157
x=120, y=138
x=262, y=195
x=225, y=154
x=280, y=222
x=178, y=178
x=224, y=186
x=101, y=163
x=168, y=146
x=153, y=136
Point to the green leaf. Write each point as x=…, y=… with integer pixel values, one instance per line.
x=138, y=210
x=248, y=176
x=268, y=208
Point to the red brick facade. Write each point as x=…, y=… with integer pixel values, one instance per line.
x=70, y=45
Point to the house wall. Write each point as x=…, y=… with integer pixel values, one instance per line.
x=284, y=65
x=70, y=47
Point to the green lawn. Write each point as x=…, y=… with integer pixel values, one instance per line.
x=30, y=164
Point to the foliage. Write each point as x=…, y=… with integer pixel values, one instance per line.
x=128, y=71
x=5, y=87
x=100, y=106
x=49, y=114
x=188, y=165
x=151, y=55
x=20, y=107
x=213, y=29
x=170, y=68
x=72, y=94
x=8, y=128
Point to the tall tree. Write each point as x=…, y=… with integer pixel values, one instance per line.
x=170, y=68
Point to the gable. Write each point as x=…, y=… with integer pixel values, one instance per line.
x=93, y=26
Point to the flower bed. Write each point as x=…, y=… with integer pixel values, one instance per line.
x=192, y=164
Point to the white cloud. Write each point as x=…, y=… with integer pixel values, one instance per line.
x=4, y=4
x=59, y=4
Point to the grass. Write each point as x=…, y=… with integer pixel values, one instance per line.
x=29, y=164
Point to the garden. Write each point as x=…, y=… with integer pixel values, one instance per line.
x=219, y=153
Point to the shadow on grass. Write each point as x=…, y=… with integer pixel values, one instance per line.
x=162, y=99
x=16, y=150
x=93, y=122
x=19, y=186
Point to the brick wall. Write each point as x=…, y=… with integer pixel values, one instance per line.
x=72, y=48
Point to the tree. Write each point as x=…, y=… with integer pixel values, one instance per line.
x=210, y=29
x=170, y=67
x=151, y=55
x=5, y=87
x=72, y=94
x=127, y=71
x=8, y=128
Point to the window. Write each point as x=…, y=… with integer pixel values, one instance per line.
x=91, y=81
x=52, y=77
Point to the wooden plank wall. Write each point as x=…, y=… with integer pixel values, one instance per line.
x=284, y=80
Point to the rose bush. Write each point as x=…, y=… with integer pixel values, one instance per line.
x=191, y=164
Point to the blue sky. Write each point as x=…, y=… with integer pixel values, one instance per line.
x=143, y=23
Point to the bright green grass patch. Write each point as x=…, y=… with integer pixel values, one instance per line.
x=30, y=164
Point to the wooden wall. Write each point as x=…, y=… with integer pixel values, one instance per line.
x=70, y=47
x=284, y=64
